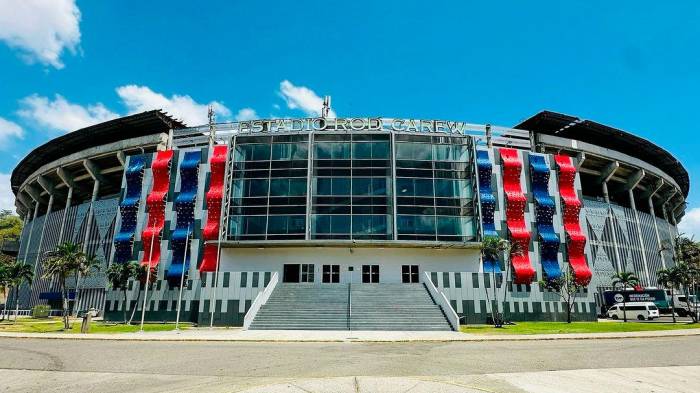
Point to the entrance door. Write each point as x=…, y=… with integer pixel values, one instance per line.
x=370, y=274
x=307, y=272
x=331, y=273
x=409, y=274
x=290, y=273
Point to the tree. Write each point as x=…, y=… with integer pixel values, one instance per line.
x=665, y=278
x=87, y=266
x=118, y=275
x=625, y=279
x=687, y=275
x=5, y=262
x=10, y=225
x=566, y=286
x=60, y=264
x=140, y=274
x=17, y=274
x=492, y=248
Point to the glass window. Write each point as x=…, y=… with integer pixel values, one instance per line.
x=379, y=186
x=413, y=151
x=361, y=186
x=287, y=187
x=285, y=224
x=289, y=151
x=253, y=225
x=423, y=187
x=361, y=150
x=256, y=187
x=332, y=150
x=341, y=186
x=340, y=224
x=449, y=226
x=423, y=225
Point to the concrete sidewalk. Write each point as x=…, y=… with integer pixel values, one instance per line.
x=683, y=379
x=240, y=335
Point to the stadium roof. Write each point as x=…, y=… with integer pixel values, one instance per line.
x=565, y=126
x=145, y=123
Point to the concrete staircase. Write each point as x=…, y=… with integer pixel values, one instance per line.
x=304, y=307
x=395, y=307
x=374, y=307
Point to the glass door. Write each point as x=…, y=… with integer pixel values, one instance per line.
x=409, y=274
x=307, y=272
x=331, y=274
x=370, y=274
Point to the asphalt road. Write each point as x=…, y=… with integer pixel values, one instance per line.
x=37, y=364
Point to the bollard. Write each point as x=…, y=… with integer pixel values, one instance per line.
x=87, y=319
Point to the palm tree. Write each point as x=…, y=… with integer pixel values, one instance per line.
x=4, y=285
x=118, y=275
x=492, y=248
x=87, y=266
x=625, y=279
x=18, y=274
x=665, y=278
x=687, y=274
x=60, y=264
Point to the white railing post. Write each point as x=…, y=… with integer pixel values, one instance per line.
x=259, y=301
x=442, y=301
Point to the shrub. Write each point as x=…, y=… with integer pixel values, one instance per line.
x=41, y=311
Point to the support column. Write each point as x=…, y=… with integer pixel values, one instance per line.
x=96, y=175
x=67, y=179
x=650, y=200
x=631, y=184
x=604, y=178
x=48, y=186
x=37, y=201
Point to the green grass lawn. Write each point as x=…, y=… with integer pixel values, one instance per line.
x=55, y=325
x=574, y=327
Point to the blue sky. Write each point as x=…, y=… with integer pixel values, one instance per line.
x=629, y=64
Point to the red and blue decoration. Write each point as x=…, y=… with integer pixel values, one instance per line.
x=156, y=208
x=184, y=207
x=544, y=216
x=488, y=205
x=214, y=197
x=128, y=209
x=523, y=273
x=571, y=206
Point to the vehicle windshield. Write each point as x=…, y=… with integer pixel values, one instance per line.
x=653, y=308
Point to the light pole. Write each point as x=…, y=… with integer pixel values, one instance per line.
x=148, y=281
x=182, y=280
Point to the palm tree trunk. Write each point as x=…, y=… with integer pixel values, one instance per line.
x=673, y=306
x=497, y=321
x=77, y=294
x=16, y=302
x=64, y=295
x=124, y=304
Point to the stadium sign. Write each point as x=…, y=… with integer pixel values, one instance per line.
x=353, y=124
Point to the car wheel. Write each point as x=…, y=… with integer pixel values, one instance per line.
x=640, y=317
x=615, y=317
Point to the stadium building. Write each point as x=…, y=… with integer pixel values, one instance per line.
x=349, y=223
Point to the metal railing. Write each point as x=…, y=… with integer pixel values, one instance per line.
x=441, y=300
x=349, y=304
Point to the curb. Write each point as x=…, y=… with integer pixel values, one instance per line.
x=463, y=337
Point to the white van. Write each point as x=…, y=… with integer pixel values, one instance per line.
x=635, y=310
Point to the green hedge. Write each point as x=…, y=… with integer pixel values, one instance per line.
x=41, y=311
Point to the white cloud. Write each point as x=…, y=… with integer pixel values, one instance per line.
x=246, y=114
x=301, y=97
x=41, y=29
x=690, y=224
x=9, y=129
x=61, y=115
x=7, y=198
x=141, y=98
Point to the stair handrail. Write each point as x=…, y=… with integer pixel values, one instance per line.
x=441, y=300
x=349, y=304
x=259, y=301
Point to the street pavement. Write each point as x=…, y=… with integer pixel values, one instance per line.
x=670, y=364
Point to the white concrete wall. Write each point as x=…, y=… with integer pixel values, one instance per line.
x=389, y=260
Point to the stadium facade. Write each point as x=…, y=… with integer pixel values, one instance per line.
x=338, y=223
